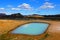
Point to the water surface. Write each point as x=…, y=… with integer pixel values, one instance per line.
x=31, y=29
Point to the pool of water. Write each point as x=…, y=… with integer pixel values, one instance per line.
x=31, y=29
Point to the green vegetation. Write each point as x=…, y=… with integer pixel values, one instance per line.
x=46, y=35
x=4, y=37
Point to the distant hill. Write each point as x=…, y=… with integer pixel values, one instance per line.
x=33, y=16
x=58, y=15
x=12, y=16
x=2, y=14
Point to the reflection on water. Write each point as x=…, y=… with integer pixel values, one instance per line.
x=31, y=29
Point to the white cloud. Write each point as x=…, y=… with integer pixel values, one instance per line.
x=47, y=5
x=25, y=6
x=2, y=8
x=15, y=8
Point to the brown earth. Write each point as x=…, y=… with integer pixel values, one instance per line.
x=53, y=30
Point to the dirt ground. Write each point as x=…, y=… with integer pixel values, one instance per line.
x=52, y=33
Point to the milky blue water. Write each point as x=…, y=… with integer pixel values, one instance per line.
x=31, y=29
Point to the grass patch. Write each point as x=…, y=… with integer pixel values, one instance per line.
x=4, y=37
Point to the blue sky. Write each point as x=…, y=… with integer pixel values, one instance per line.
x=28, y=7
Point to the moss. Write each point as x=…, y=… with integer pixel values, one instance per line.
x=4, y=37
x=46, y=35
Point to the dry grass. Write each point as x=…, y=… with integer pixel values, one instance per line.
x=7, y=25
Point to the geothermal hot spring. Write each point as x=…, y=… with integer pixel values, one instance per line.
x=31, y=29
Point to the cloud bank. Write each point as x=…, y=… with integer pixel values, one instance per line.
x=47, y=5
